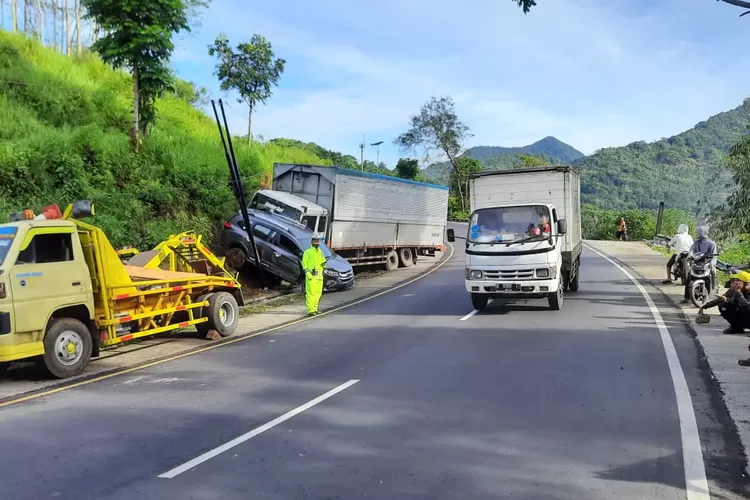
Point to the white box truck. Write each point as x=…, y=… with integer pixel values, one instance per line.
x=372, y=218
x=524, y=235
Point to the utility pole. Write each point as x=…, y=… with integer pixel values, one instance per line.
x=377, y=148
x=362, y=153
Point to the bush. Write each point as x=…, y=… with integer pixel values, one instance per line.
x=63, y=137
x=599, y=224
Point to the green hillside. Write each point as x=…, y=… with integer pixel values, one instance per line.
x=63, y=136
x=685, y=171
x=499, y=158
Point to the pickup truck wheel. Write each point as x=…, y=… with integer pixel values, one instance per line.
x=479, y=301
x=223, y=313
x=67, y=347
x=236, y=258
x=406, y=257
x=556, y=298
x=391, y=261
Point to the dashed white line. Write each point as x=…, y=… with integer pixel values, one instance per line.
x=258, y=430
x=696, y=484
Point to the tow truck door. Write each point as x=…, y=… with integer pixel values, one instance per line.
x=49, y=273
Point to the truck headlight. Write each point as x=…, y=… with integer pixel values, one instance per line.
x=475, y=274
x=542, y=273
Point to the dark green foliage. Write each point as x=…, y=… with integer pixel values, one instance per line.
x=336, y=158
x=63, y=137
x=734, y=216
x=408, y=168
x=526, y=5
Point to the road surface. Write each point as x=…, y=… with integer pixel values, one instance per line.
x=400, y=397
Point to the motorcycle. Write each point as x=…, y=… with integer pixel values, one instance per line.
x=679, y=269
x=702, y=284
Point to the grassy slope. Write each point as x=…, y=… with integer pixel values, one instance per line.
x=63, y=136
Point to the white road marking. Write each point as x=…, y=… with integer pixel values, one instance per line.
x=258, y=430
x=472, y=313
x=696, y=484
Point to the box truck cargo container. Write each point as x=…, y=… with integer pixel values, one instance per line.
x=524, y=235
x=372, y=218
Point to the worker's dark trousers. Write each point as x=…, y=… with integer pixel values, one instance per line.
x=737, y=318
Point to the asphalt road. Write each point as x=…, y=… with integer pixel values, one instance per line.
x=517, y=402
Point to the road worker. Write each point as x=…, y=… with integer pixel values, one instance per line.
x=313, y=263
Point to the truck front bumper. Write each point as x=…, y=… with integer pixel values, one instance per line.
x=510, y=289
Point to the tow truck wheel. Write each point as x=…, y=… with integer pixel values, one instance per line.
x=479, y=301
x=67, y=347
x=223, y=313
x=202, y=328
x=556, y=298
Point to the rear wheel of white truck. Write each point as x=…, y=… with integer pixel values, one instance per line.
x=406, y=257
x=556, y=298
x=479, y=301
x=67, y=347
x=573, y=284
x=391, y=261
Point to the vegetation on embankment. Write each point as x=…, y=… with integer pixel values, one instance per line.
x=64, y=136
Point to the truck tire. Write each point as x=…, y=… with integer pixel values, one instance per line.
x=479, y=301
x=67, y=347
x=406, y=257
x=223, y=313
x=391, y=261
x=555, y=299
x=4, y=365
x=202, y=328
x=573, y=284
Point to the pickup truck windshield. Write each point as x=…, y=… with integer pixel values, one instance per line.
x=509, y=224
x=7, y=235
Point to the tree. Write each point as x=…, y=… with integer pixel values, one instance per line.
x=437, y=128
x=408, y=168
x=734, y=215
x=526, y=5
x=459, y=180
x=528, y=161
x=252, y=71
x=138, y=35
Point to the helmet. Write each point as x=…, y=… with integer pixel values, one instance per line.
x=743, y=276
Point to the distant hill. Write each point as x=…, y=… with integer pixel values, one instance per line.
x=685, y=171
x=497, y=157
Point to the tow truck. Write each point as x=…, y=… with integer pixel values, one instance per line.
x=65, y=292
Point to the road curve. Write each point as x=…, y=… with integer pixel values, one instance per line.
x=518, y=401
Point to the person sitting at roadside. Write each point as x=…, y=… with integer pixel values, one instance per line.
x=680, y=242
x=734, y=305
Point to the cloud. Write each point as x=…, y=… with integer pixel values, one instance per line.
x=592, y=75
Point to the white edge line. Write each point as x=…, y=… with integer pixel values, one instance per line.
x=696, y=484
x=258, y=430
x=472, y=313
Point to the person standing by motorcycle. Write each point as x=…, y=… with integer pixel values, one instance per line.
x=680, y=243
x=702, y=245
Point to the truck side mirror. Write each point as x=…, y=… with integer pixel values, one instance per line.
x=562, y=226
x=451, y=235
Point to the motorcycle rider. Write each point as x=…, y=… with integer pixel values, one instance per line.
x=706, y=246
x=680, y=242
x=733, y=305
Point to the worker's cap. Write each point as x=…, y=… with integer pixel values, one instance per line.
x=743, y=276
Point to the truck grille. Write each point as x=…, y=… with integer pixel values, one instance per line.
x=518, y=274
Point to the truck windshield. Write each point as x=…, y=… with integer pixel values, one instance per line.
x=7, y=234
x=509, y=224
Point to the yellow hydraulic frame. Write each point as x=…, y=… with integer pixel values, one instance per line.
x=128, y=308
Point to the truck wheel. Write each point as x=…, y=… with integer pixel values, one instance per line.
x=406, y=257
x=223, y=313
x=236, y=258
x=573, y=285
x=556, y=299
x=67, y=347
x=479, y=301
x=391, y=261
x=202, y=328
x=4, y=366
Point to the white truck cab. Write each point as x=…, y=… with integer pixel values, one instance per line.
x=524, y=235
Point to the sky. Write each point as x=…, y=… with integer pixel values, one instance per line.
x=591, y=75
